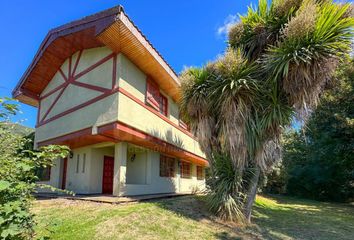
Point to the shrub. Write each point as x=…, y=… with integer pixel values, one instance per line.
x=17, y=176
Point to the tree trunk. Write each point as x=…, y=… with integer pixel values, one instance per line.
x=251, y=193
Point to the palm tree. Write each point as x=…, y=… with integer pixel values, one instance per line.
x=279, y=58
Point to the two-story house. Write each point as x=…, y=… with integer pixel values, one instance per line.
x=102, y=89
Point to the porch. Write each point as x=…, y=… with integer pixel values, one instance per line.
x=124, y=170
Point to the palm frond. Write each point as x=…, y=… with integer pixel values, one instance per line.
x=306, y=58
x=238, y=86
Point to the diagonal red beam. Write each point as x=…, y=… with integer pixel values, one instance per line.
x=90, y=68
x=69, y=67
x=73, y=109
x=71, y=79
x=54, y=90
x=54, y=102
x=63, y=75
x=91, y=87
x=76, y=63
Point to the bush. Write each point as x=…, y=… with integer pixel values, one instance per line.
x=18, y=178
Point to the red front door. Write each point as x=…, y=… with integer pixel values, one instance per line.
x=108, y=170
x=65, y=166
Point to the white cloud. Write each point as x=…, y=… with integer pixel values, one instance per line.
x=228, y=23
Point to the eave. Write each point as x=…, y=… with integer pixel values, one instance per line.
x=111, y=28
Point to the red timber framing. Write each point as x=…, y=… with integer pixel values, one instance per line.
x=72, y=78
x=112, y=132
x=105, y=92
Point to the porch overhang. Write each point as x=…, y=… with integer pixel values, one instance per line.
x=118, y=131
x=111, y=28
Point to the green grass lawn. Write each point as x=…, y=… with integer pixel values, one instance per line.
x=187, y=218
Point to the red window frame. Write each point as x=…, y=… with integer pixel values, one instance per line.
x=163, y=105
x=155, y=98
x=167, y=166
x=200, y=173
x=152, y=94
x=185, y=168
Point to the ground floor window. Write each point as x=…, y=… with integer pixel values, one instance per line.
x=167, y=166
x=43, y=173
x=185, y=169
x=200, y=173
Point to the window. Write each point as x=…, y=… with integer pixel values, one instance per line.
x=155, y=99
x=77, y=163
x=167, y=166
x=84, y=163
x=152, y=94
x=163, y=105
x=185, y=169
x=200, y=173
x=43, y=173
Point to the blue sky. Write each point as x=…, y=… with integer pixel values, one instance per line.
x=186, y=33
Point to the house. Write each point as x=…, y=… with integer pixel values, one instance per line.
x=102, y=89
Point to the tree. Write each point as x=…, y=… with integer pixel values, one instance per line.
x=318, y=161
x=17, y=176
x=279, y=58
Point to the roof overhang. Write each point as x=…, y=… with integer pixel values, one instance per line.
x=111, y=28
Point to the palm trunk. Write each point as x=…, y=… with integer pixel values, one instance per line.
x=251, y=194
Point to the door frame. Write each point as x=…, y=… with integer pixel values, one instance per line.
x=108, y=158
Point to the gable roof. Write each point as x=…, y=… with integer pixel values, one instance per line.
x=111, y=28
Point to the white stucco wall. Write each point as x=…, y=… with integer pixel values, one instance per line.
x=133, y=81
x=155, y=183
x=131, y=78
x=141, y=118
x=138, y=177
x=137, y=167
x=77, y=175
x=88, y=180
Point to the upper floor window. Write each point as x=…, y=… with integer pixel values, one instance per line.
x=152, y=94
x=155, y=99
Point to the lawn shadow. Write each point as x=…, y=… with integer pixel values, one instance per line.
x=274, y=217
x=226, y=236
x=194, y=207
x=282, y=217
